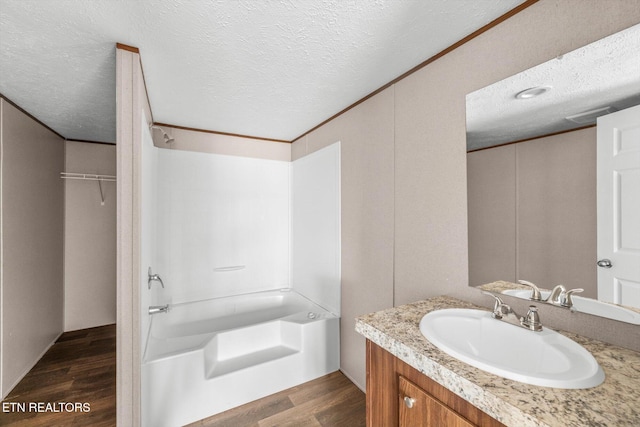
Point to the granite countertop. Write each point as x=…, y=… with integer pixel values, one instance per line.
x=616, y=402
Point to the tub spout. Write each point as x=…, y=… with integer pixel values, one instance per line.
x=154, y=309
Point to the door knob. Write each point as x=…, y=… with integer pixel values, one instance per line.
x=408, y=401
x=605, y=263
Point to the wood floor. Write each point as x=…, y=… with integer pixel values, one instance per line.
x=81, y=368
x=331, y=400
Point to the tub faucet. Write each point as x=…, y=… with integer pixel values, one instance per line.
x=155, y=309
x=504, y=312
x=153, y=277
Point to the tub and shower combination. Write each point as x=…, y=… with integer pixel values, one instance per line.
x=249, y=254
x=205, y=357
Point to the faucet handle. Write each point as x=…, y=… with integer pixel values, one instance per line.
x=532, y=319
x=497, y=298
x=499, y=306
x=535, y=291
x=153, y=277
x=567, y=301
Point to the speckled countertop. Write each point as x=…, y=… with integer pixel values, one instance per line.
x=616, y=402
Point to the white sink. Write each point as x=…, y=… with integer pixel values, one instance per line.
x=544, y=358
x=587, y=305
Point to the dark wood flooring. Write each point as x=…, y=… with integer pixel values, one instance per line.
x=81, y=368
x=331, y=400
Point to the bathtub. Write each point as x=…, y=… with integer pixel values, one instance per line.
x=205, y=357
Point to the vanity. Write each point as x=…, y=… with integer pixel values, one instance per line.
x=540, y=165
x=410, y=382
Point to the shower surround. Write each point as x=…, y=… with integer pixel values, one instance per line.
x=249, y=252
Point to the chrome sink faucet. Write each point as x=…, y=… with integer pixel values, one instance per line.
x=559, y=296
x=504, y=312
x=562, y=297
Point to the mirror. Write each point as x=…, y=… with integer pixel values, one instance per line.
x=531, y=168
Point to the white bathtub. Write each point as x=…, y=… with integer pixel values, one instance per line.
x=205, y=357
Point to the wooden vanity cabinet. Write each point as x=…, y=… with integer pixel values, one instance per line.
x=399, y=395
x=418, y=408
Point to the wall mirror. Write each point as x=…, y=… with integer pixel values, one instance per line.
x=532, y=178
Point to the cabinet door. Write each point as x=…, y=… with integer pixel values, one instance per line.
x=417, y=408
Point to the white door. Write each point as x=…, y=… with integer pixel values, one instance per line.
x=618, y=189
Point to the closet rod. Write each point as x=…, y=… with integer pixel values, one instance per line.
x=87, y=176
x=90, y=177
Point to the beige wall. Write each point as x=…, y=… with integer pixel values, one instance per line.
x=90, y=238
x=556, y=211
x=421, y=221
x=32, y=205
x=491, y=191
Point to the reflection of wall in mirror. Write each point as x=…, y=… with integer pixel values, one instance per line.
x=532, y=212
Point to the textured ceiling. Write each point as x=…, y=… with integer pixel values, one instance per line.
x=270, y=68
x=605, y=73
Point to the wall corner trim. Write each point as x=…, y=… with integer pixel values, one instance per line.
x=127, y=47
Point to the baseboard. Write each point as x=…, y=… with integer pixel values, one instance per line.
x=363, y=389
x=15, y=383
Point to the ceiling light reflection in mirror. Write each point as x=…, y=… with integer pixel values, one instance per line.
x=581, y=85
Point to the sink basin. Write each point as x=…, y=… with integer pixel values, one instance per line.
x=587, y=305
x=545, y=358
